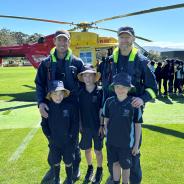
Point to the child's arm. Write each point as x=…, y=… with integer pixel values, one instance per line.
x=105, y=115
x=45, y=128
x=106, y=121
x=138, y=130
x=101, y=132
x=137, y=119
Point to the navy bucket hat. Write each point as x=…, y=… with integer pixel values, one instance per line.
x=57, y=85
x=88, y=68
x=122, y=79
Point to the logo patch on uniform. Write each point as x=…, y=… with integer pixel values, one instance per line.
x=126, y=112
x=94, y=99
x=65, y=113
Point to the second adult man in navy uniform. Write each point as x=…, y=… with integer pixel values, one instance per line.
x=126, y=58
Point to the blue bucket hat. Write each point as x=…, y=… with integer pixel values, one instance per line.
x=88, y=68
x=57, y=85
x=122, y=79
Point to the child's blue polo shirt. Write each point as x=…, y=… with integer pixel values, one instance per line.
x=90, y=105
x=122, y=117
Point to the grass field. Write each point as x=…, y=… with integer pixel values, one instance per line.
x=23, y=148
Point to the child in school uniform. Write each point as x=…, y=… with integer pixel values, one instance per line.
x=120, y=118
x=60, y=128
x=90, y=104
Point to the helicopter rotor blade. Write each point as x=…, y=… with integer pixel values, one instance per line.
x=144, y=39
x=162, y=8
x=36, y=19
x=73, y=29
x=106, y=29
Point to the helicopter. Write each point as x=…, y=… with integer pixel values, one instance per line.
x=84, y=44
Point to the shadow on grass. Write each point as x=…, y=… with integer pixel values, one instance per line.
x=17, y=107
x=26, y=96
x=164, y=131
x=30, y=87
x=29, y=96
x=178, y=99
x=171, y=98
x=165, y=99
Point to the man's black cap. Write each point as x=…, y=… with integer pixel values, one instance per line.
x=63, y=33
x=126, y=29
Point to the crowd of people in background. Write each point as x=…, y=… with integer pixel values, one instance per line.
x=170, y=75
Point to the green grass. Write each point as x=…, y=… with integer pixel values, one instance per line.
x=163, y=134
x=18, y=114
x=17, y=84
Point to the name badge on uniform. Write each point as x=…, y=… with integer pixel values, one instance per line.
x=65, y=113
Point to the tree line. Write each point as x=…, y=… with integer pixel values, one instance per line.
x=9, y=38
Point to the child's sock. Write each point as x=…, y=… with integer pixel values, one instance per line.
x=69, y=173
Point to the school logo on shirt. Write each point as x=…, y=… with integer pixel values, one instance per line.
x=126, y=112
x=65, y=113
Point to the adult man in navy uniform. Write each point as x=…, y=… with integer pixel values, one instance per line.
x=126, y=58
x=64, y=66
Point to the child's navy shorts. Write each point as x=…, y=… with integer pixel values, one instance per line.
x=121, y=155
x=61, y=153
x=86, y=141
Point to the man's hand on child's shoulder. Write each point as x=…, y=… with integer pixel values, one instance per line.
x=43, y=108
x=137, y=102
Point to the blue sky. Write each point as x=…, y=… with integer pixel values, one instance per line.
x=161, y=27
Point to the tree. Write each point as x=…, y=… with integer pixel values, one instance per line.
x=20, y=37
x=33, y=38
x=6, y=38
x=155, y=56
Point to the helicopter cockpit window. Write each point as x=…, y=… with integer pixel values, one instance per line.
x=86, y=56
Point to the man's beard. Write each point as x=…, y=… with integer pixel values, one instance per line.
x=126, y=47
